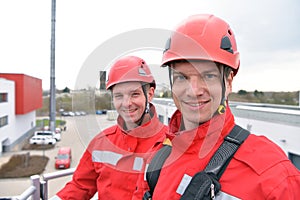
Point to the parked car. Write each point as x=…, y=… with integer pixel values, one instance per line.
x=83, y=113
x=77, y=113
x=56, y=136
x=57, y=130
x=39, y=139
x=101, y=112
x=64, y=158
x=71, y=114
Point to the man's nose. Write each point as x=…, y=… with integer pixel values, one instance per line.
x=197, y=85
x=126, y=101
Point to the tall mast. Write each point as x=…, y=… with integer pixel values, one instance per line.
x=52, y=69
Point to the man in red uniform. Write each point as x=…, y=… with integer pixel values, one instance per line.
x=115, y=159
x=203, y=59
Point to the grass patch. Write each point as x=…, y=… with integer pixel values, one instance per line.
x=45, y=122
x=23, y=165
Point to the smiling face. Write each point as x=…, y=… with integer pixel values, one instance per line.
x=129, y=101
x=197, y=90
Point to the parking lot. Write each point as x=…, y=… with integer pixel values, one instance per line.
x=80, y=130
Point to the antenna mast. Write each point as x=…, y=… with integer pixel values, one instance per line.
x=52, y=69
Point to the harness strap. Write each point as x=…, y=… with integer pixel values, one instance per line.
x=224, y=154
x=156, y=164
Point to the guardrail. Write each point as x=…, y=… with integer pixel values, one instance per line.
x=53, y=175
x=39, y=185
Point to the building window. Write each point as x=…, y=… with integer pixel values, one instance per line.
x=295, y=159
x=3, y=97
x=3, y=121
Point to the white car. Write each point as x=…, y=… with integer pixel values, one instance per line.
x=56, y=136
x=57, y=130
x=38, y=139
x=71, y=114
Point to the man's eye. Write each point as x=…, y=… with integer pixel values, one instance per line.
x=135, y=94
x=118, y=96
x=179, y=77
x=210, y=76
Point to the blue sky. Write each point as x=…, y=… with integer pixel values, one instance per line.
x=267, y=33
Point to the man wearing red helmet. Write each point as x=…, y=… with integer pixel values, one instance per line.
x=116, y=158
x=202, y=58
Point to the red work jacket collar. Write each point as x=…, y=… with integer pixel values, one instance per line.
x=149, y=129
x=202, y=139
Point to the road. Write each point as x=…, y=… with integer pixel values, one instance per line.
x=80, y=130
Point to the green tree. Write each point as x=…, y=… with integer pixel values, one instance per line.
x=242, y=92
x=258, y=94
x=66, y=90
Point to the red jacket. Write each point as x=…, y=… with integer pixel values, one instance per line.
x=114, y=162
x=258, y=170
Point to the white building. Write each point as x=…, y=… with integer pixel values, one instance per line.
x=20, y=96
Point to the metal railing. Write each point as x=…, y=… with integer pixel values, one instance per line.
x=39, y=185
x=53, y=175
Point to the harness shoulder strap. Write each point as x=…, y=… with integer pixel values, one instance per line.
x=224, y=154
x=156, y=164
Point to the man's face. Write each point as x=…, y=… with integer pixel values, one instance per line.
x=129, y=101
x=197, y=90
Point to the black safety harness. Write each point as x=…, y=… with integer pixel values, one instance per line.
x=204, y=184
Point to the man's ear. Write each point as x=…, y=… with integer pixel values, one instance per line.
x=228, y=83
x=151, y=93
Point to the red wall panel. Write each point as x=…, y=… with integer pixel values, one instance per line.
x=28, y=92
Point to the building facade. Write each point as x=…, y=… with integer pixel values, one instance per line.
x=20, y=97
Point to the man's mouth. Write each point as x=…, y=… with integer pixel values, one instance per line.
x=196, y=105
x=129, y=111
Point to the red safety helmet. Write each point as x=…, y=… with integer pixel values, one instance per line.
x=203, y=37
x=129, y=68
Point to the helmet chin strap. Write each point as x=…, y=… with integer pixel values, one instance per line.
x=170, y=77
x=222, y=107
x=147, y=106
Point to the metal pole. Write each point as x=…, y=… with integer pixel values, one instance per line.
x=44, y=189
x=299, y=98
x=52, y=70
x=35, y=181
x=27, y=193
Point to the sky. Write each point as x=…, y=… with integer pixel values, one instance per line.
x=91, y=34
